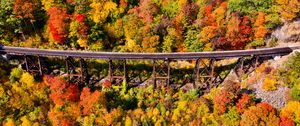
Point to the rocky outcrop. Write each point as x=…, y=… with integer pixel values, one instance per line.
x=288, y=32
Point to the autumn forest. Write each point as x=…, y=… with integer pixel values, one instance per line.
x=147, y=26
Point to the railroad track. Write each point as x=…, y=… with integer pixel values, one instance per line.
x=146, y=56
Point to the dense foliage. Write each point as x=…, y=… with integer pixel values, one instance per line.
x=53, y=101
x=290, y=75
x=143, y=25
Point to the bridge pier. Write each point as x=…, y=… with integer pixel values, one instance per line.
x=246, y=65
x=161, y=70
x=74, y=75
x=33, y=64
x=118, y=71
x=204, y=72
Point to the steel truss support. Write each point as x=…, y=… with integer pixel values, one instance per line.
x=204, y=73
x=74, y=74
x=33, y=64
x=118, y=71
x=246, y=65
x=220, y=76
x=161, y=70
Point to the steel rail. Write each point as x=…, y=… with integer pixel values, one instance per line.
x=10, y=50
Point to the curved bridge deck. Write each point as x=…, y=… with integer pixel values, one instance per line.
x=116, y=55
x=205, y=74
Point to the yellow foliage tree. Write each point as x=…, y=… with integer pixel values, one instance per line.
x=27, y=79
x=269, y=84
x=101, y=9
x=288, y=8
x=292, y=111
x=47, y=4
x=25, y=121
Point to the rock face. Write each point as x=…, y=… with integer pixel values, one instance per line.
x=288, y=32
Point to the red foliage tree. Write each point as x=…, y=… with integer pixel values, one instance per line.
x=209, y=18
x=65, y=122
x=57, y=86
x=208, y=10
x=245, y=30
x=284, y=121
x=80, y=18
x=72, y=93
x=61, y=91
x=146, y=10
x=83, y=27
x=57, y=23
x=238, y=32
x=244, y=102
x=123, y=3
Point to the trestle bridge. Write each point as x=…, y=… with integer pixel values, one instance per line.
x=204, y=73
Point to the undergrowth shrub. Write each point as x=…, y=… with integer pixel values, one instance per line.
x=295, y=92
x=269, y=84
x=15, y=74
x=232, y=86
x=232, y=117
x=290, y=74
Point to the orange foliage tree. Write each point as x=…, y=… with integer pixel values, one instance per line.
x=24, y=9
x=261, y=114
x=221, y=101
x=259, y=30
x=220, y=15
x=88, y=100
x=57, y=23
x=210, y=19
